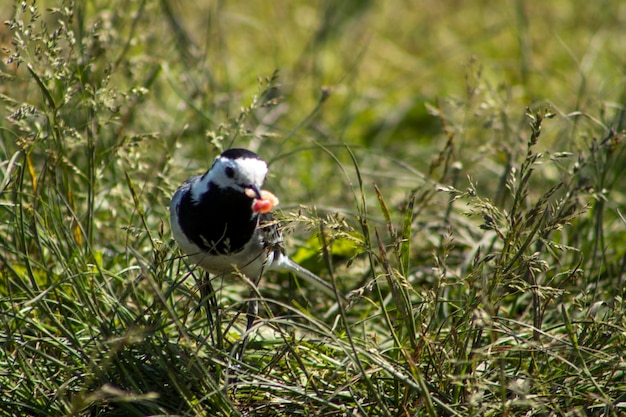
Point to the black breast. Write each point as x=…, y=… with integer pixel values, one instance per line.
x=218, y=228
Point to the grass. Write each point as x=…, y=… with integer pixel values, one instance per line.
x=457, y=170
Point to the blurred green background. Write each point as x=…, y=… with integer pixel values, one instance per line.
x=489, y=260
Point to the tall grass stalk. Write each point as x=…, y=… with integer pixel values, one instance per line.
x=480, y=242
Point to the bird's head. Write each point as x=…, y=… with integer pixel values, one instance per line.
x=237, y=169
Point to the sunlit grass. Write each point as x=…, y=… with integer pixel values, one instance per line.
x=456, y=170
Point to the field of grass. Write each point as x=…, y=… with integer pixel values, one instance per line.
x=454, y=166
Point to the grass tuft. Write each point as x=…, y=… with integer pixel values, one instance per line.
x=465, y=192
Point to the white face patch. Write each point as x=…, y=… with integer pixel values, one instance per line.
x=237, y=174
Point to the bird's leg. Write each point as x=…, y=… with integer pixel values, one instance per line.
x=253, y=311
x=251, y=316
x=209, y=301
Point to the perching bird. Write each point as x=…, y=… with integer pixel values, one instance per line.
x=221, y=221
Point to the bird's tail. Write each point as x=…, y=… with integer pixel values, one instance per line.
x=284, y=263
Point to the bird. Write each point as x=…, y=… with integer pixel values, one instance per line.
x=219, y=225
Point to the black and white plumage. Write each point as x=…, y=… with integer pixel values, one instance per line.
x=214, y=223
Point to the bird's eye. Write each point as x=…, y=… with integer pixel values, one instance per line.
x=230, y=172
